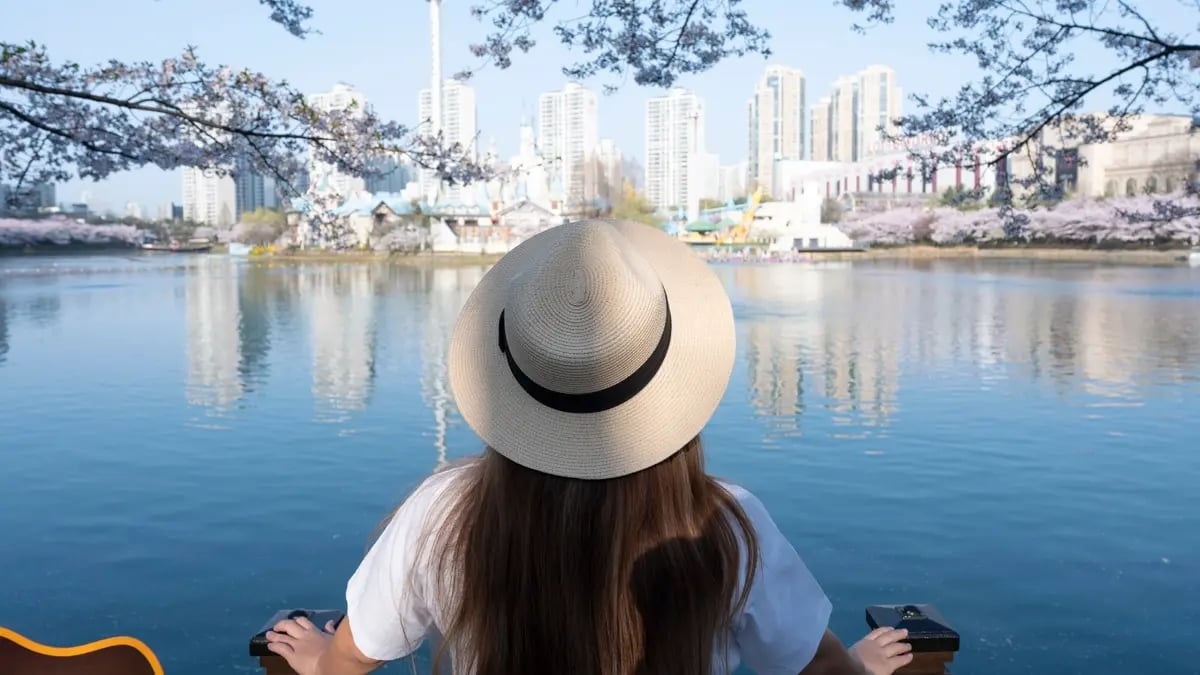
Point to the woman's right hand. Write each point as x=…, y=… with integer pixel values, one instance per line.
x=881, y=652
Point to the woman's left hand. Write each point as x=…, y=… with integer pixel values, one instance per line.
x=300, y=643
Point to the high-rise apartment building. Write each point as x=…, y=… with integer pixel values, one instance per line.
x=251, y=189
x=849, y=124
x=822, y=150
x=568, y=133
x=323, y=176
x=843, y=120
x=674, y=138
x=29, y=198
x=208, y=197
x=458, y=125
x=391, y=175
x=879, y=104
x=776, y=123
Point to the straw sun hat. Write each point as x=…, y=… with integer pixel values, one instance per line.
x=593, y=350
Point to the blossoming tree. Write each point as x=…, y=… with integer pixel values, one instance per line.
x=59, y=118
x=63, y=232
x=1043, y=64
x=1080, y=221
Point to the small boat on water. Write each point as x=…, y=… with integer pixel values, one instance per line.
x=238, y=249
x=1194, y=257
x=202, y=246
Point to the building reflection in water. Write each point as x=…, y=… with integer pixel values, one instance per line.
x=255, y=296
x=343, y=333
x=3, y=331
x=841, y=335
x=801, y=324
x=448, y=289
x=815, y=339
x=214, y=377
x=43, y=310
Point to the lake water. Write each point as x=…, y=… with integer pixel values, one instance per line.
x=189, y=444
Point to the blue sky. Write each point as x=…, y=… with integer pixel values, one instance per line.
x=382, y=48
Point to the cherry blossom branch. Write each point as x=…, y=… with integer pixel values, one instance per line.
x=61, y=119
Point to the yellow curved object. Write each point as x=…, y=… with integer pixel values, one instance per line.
x=738, y=234
x=82, y=650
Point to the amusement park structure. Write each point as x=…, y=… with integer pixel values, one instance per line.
x=739, y=233
x=705, y=232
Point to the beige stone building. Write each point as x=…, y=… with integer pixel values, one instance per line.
x=843, y=120
x=879, y=104
x=1156, y=155
x=820, y=130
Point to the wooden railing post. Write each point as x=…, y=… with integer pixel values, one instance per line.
x=272, y=663
x=933, y=641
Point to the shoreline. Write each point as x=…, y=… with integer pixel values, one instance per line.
x=1135, y=256
x=419, y=260
x=1144, y=256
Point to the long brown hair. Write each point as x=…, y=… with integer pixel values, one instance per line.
x=546, y=575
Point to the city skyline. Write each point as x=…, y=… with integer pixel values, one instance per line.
x=390, y=72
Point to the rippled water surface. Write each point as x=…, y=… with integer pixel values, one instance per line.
x=189, y=444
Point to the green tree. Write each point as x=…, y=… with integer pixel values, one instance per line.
x=633, y=205
x=739, y=201
x=961, y=198
x=831, y=210
x=262, y=226
x=265, y=216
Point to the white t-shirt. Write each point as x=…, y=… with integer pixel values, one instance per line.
x=392, y=606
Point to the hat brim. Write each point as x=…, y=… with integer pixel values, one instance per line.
x=643, y=431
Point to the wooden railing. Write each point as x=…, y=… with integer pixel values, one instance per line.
x=934, y=641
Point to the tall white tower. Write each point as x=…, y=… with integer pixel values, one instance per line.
x=435, y=64
x=435, y=86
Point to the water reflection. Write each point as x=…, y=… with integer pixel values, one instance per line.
x=254, y=324
x=807, y=322
x=3, y=331
x=844, y=337
x=836, y=340
x=43, y=310
x=214, y=377
x=342, y=324
x=448, y=289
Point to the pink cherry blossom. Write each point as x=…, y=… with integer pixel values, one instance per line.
x=64, y=232
x=1144, y=219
